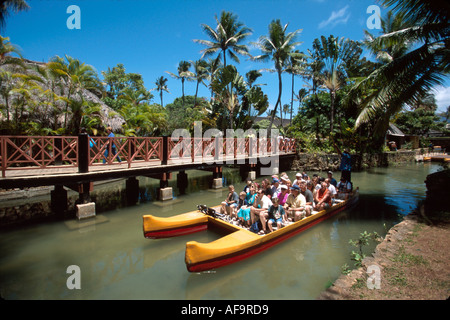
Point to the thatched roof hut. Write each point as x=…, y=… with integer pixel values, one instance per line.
x=108, y=116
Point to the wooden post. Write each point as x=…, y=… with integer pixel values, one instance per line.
x=83, y=153
x=165, y=150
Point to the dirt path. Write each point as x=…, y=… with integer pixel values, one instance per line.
x=412, y=262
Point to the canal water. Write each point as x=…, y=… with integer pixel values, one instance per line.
x=115, y=261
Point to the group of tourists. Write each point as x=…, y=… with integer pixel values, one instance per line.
x=262, y=206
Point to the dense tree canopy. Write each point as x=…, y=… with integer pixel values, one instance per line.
x=345, y=99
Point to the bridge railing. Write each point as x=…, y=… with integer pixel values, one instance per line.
x=25, y=152
x=39, y=152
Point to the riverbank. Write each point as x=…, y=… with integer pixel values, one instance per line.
x=413, y=261
x=325, y=162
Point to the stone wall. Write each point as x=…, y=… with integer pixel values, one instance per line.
x=324, y=162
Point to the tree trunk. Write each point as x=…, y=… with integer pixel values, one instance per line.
x=332, y=95
x=292, y=99
x=280, y=86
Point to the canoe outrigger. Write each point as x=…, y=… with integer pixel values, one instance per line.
x=235, y=246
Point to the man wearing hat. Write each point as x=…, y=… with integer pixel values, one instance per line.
x=332, y=180
x=295, y=204
x=298, y=179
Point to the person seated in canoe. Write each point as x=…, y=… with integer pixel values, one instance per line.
x=332, y=188
x=260, y=206
x=241, y=203
x=230, y=202
x=243, y=213
x=267, y=188
x=309, y=198
x=275, y=214
x=275, y=187
x=344, y=189
x=247, y=187
x=323, y=197
x=295, y=204
x=283, y=195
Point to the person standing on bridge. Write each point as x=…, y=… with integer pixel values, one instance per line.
x=113, y=146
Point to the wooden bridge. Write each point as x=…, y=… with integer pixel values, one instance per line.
x=77, y=161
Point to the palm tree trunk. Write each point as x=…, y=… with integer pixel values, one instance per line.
x=280, y=86
x=292, y=99
x=182, y=90
x=333, y=96
x=196, y=92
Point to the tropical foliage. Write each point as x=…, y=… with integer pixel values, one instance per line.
x=345, y=99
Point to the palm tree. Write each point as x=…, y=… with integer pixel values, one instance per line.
x=225, y=38
x=227, y=85
x=6, y=86
x=76, y=77
x=200, y=73
x=336, y=54
x=135, y=97
x=390, y=23
x=213, y=65
x=295, y=67
x=278, y=46
x=10, y=5
x=409, y=76
x=161, y=85
x=183, y=74
x=6, y=51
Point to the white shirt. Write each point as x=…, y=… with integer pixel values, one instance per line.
x=332, y=190
x=264, y=202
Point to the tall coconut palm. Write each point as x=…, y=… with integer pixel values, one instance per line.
x=226, y=38
x=336, y=54
x=296, y=66
x=10, y=5
x=199, y=75
x=161, y=85
x=213, y=65
x=183, y=75
x=279, y=46
x=407, y=77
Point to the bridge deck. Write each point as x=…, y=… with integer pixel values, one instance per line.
x=20, y=177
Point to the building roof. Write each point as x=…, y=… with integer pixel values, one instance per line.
x=394, y=131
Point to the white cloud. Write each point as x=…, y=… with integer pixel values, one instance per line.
x=442, y=96
x=336, y=17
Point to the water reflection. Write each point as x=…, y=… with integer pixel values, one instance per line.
x=117, y=262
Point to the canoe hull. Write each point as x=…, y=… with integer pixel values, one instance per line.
x=157, y=227
x=237, y=245
x=202, y=257
x=245, y=253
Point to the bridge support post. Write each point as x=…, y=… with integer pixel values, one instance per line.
x=182, y=181
x=165, y=192
x=85, y=208
x=248, y=171
x=217, y=178
x=83, y=153
x=132, y=190
x=58, y=198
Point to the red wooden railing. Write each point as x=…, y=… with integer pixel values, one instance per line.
x=35, y=152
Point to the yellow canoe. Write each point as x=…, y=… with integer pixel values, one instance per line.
x=239, y=244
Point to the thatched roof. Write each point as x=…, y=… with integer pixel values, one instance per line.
x=108, y=116
x=394, y=131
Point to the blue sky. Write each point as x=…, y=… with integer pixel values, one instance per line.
x=151, y=37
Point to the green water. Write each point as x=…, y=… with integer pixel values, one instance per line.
x=117, y=262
